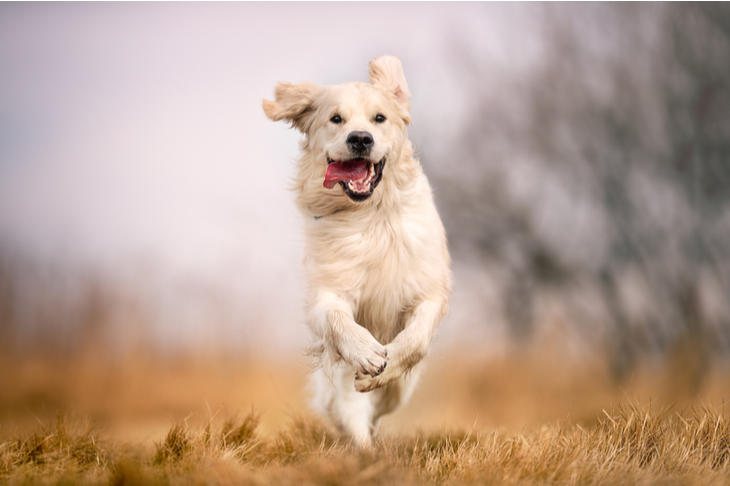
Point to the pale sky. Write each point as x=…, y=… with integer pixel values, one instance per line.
x=132, y=135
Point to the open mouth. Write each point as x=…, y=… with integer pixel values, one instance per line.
x=358, y=177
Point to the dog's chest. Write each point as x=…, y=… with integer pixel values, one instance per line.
x=380, y=264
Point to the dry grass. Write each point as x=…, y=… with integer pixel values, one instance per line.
x=56, y=452
x=631, y=444
x=530, y=420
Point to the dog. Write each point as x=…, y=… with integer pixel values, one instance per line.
x=376, y=256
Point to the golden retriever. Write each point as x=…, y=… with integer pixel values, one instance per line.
x=375, y=248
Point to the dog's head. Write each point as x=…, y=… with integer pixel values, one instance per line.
x=352, y=130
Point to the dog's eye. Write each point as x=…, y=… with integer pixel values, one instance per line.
x=379, y=118
x=337, y=119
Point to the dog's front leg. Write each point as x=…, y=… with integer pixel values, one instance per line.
x=409, y=347
x=333, y=323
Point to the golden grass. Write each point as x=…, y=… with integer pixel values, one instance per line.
x=535, y=419
x=631, y=444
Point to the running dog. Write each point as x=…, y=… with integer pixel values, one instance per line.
x=375, y=251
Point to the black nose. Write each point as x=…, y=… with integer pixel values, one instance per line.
x=360, y=141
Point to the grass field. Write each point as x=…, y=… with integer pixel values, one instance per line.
x=533, y=419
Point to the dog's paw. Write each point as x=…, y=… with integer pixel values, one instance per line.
x=396, y=368
x=365, y=383
x=364, y=353
x=372, y=360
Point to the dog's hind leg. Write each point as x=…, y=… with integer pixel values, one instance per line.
x=387, y=399
x=335, y=398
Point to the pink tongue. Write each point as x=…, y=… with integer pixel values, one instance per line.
x=345, y=171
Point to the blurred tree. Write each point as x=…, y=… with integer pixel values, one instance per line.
x=609, y=167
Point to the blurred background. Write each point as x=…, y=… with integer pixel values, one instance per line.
x=150, y=250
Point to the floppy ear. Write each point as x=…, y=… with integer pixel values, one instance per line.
x=295, y=104
x=387, y=72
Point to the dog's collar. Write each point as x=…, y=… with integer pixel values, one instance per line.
x=330, y=214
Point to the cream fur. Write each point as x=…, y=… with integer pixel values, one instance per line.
x=378, y=270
